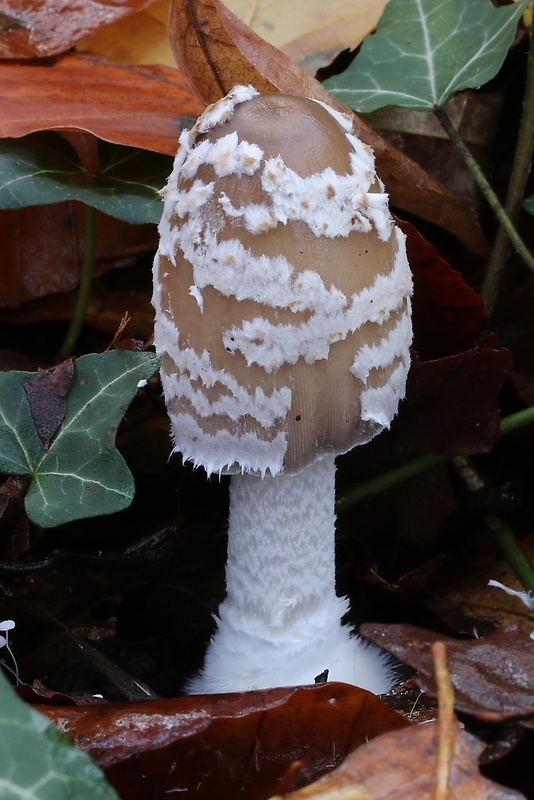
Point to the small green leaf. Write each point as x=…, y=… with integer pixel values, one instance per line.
x=424, y=51
x=81, y=474
x=43, y=168
x=37, y=762
x=528, y=205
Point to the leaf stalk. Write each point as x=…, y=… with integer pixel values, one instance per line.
x=84, y=289
x=489, y=194
x=516, y=187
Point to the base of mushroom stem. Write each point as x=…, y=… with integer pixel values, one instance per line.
x=280, y=624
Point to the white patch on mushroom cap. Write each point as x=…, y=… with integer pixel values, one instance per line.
x=219, y=451
x=379, y=404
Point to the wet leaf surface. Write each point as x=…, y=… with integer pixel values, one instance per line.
x=493, y=677
x=50, y=27
x=225, y=745
x=55, y=769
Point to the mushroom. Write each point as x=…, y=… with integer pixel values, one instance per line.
x=282, y=320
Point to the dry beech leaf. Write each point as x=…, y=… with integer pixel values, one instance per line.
x=493, y=677
x=310, y=32
x=137, y=106
x=225, y=746
x=50, y=27
x=215, y=50
x=38, y=238
x=402, y=766
x=139, y=38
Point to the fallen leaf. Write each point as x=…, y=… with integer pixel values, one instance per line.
x=55, y=769
x=47, y=395
x=138, y=38
x=42, y=252
x=452, y=403
x=224, y=745
x=50, y=27
x=465, y=601
x=310, y=32
x=493, y=677
x=215, y=50
x=142, y=107
x=448, y=316
x=402, y=766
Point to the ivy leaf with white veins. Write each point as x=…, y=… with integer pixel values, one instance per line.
x=81, y=473
x=424, y=51
x=37, y=762
x=43, y=168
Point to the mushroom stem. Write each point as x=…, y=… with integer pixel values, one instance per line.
x=280, y=623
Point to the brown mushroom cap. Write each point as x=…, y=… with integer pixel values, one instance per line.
x=281, y=288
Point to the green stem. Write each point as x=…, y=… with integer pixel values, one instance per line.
x=86, y=282
x=509, y=546
x=485, y=187
x=386, y=480
x=516, y=187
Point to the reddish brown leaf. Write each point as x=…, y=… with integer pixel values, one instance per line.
x=225, y=745
x=493, y=677
x=403, y=766
x=452, y=404
x=42, y=250
x=49, y=27
x=139, y=106
x=47, y=395
x=216, y=50
x=448, y=315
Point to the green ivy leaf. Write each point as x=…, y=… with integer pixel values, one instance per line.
x=37, y=762
x=81, y=474
x=424, y=51
x=43, y=168
x=528, y=205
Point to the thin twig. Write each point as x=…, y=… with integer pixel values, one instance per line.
x=447, y=726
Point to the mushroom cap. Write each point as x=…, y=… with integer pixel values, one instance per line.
x=281, y=288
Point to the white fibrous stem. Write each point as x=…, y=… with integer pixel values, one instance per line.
x=280, y=623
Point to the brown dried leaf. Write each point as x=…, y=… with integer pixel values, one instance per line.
x=493, y=677
x=466, y=601
x=42, y=250
x=225, y=745
x=137, y=106
x=139, y=38
x=49, y=27
x=310, y=32
x=47, y=395
x=215, y=50
x=452, y=404
x=402, y=766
